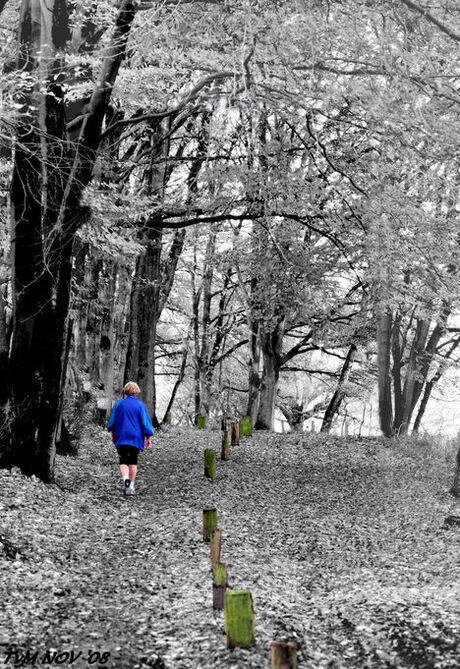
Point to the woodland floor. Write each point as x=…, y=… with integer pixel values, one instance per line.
x=340, y=542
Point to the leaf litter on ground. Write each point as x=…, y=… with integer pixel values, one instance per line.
x=340, y=541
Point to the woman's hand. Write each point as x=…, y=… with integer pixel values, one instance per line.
x=148, y=442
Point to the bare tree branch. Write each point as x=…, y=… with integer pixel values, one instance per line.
x=432, y=19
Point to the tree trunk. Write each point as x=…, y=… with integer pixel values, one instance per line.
x=254, y=372
x=110, y=279
x=94, y=321
x=431, y=384
x=179, y=380
x=48, y=178
x=339, y=394
x=4, y=374
x=455, y=490
x=271, y=344
x=412, y=372
x=384, y=381
x=81, y=302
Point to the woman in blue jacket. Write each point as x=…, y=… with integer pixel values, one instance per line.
x=130, y=425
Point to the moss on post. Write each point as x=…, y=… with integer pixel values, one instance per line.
x=215, y=546
x=239, y=619
x=210, y=463
x=235, y=433
x=283, y=656
x=247, y=426
x=209, y=522
x=201, y=422
x=219, y=585
x=225, y=452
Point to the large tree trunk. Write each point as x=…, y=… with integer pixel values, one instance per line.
x=271, y=345
x=339, y=394
x=48, y=179
x=151, y=287
x=253, y=371
x=412, y=374
x=384, y=379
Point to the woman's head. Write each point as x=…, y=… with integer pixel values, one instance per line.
x=131, y=388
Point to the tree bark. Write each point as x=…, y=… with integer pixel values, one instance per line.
x=412, y=372
x=384, y=381
x=271, y=344
x=455, y=490
x=339, y=394
x=48, y=178
x=94, y=321
x=110, y=280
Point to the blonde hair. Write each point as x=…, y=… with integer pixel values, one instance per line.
x=131, y=388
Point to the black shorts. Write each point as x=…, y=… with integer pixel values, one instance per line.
x=127, y=454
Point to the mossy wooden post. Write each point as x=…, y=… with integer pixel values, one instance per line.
x=210, y=463
x=219, y=585
x=215, y=546
x=201, y=422
x=239, y=619
x=283, y=656
x=168, y=418
x=247, y=426
x=209, y=522
x=225, y=452
x=235, y=433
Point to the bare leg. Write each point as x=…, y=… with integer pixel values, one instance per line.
x=124, y=469
x=132, y=472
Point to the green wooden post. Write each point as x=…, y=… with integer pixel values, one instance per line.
x=209, y=522
x=283, y=656
x=247, y=426
x=225, y=452
x=201, y=422
x=168, y=418
x=219, y=585
x=215, y=546
x=239, y=619
x=210, y=463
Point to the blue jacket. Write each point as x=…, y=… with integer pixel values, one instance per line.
x=130, y=422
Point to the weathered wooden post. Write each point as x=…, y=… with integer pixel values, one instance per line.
x=209, y=522
x=283, y=655
x=215, y=546
x=247, y=426
x=201, y=422
x=225, y=452
x=219, y=585
x=168, y=418
x=210, y=463
x=235, y=433
x=239, y=619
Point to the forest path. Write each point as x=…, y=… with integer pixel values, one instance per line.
x=340, y=542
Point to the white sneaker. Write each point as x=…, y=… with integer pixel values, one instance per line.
x=131, y=489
